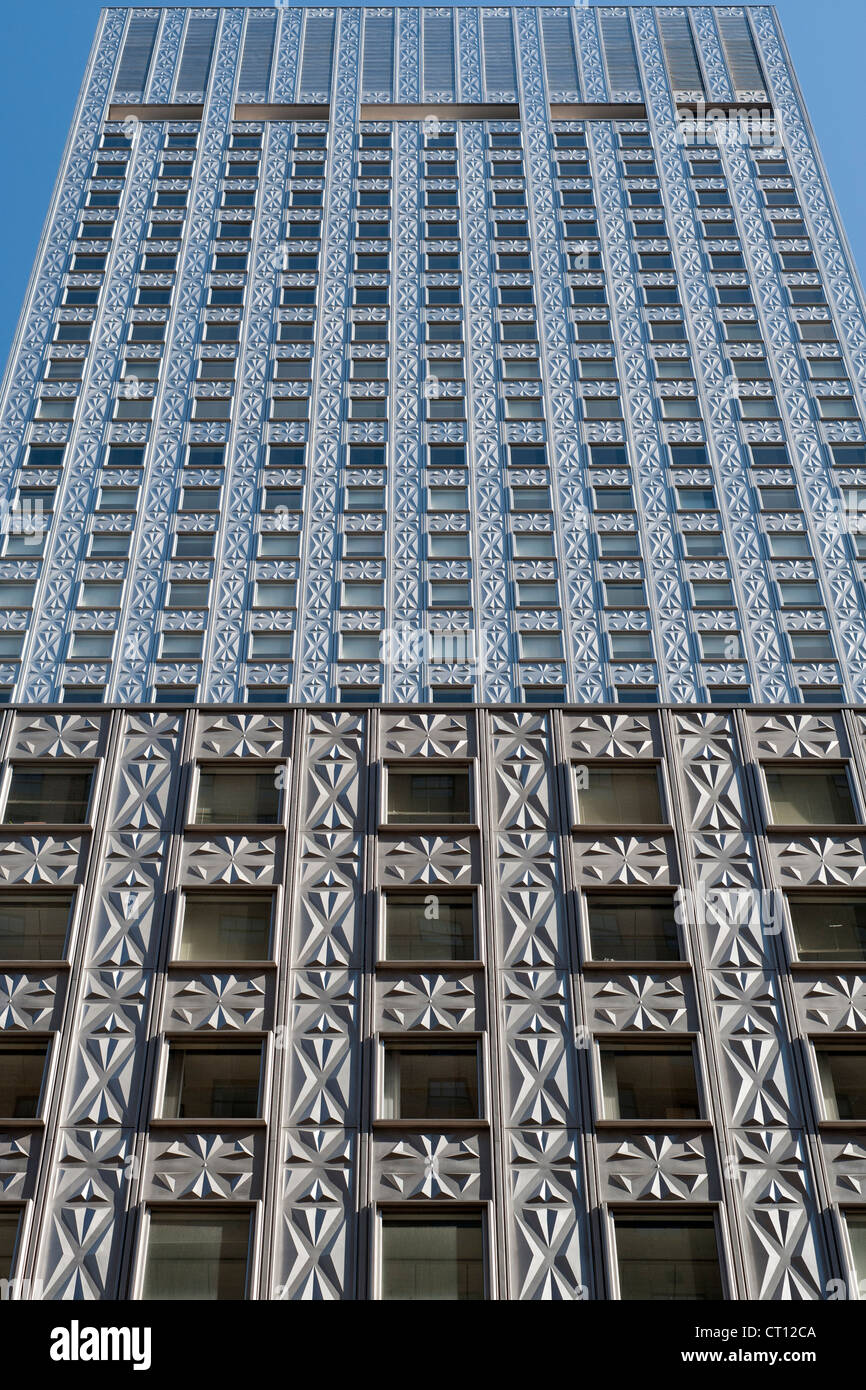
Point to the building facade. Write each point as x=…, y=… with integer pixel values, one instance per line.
x=433, y=650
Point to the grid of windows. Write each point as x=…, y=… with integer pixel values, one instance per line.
x=720, y=648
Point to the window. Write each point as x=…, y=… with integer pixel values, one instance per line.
x=709, y=594
x=812, y=646
x=532, y=593
x=363, y=594
x=433, y=1081
x=229, y=796
x=721, y=646
x=831, y=928
x=810, y=796
x=444, y=593
x=432, y=1257
x=855, y=1223
x=42, y=796
x=541, y=646
x=799, y=593
x=448, y=545
x=207, y=1083
x=615, y=546
x=624, y=594
x=199, y=1255
x=631, y=646
x=270, y=646
x=431, y=927
x=22, y=1066
x=618, y=796
x=643, y=1083
x=661, y=1257
x=183, y=594
x=33, y=925
x=628, y=928
x=843, y=1081
x=226, y=927
x=360, y=646
x=99, y=595
x=9, y=1221
x=417, y=797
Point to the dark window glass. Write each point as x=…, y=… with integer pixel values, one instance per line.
x=641, y=1083
x=229, y=797
x=430, y=926
x=666, y=1258
x=810, y=797
x=43, y=796
x=22, y=1066
x=428, y=798
x=33, y=925
x=212, y=1082
x=435, y=1082
x=627, y=928
x=432, y=1258
x=199, y=1255
x=226, y=926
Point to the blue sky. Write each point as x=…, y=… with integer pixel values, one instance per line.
x=45, y=48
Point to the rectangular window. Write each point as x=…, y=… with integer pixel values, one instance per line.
x=42, y=796
x=229, y=796
x=431, y=926
x=437, y=1081
x=33, y=925
x=9, y=1221
x=855, y=1223
x=541, y=646
x=709, y=594
x=662, y=1257
x=226, y=927
x=212, y=1083
x=448, y=594
x=22, y=1067
x=360, y=646
x=812, y=646
x=197, y=1255
x=418, y=797
x=631, y=646
x=642, y=1083
x=831, y=928
x=277, y=594
x=810, y=796
x=629, y=928
x=843, y=1082
x=618, y=796
x=432, y=1257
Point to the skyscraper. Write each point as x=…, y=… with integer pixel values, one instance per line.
x=433, y=815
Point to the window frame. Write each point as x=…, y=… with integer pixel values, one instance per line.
x=232, y=768
x=30, y=1041
x=192, y=1040
x=204, y=1211
x=638, y=897
x=51, y=890
x=56, y=765
x=649, y=1043
x=187, y=892
x=434, y=1212
x=421, y=892
x=809, y=768
x=433, y=767
x=441, y=1041
x=660, y=1214
x=626, y=768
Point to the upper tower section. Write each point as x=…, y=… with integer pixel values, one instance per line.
x=446, y=354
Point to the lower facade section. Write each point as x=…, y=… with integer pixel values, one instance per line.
x=412, y=1003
